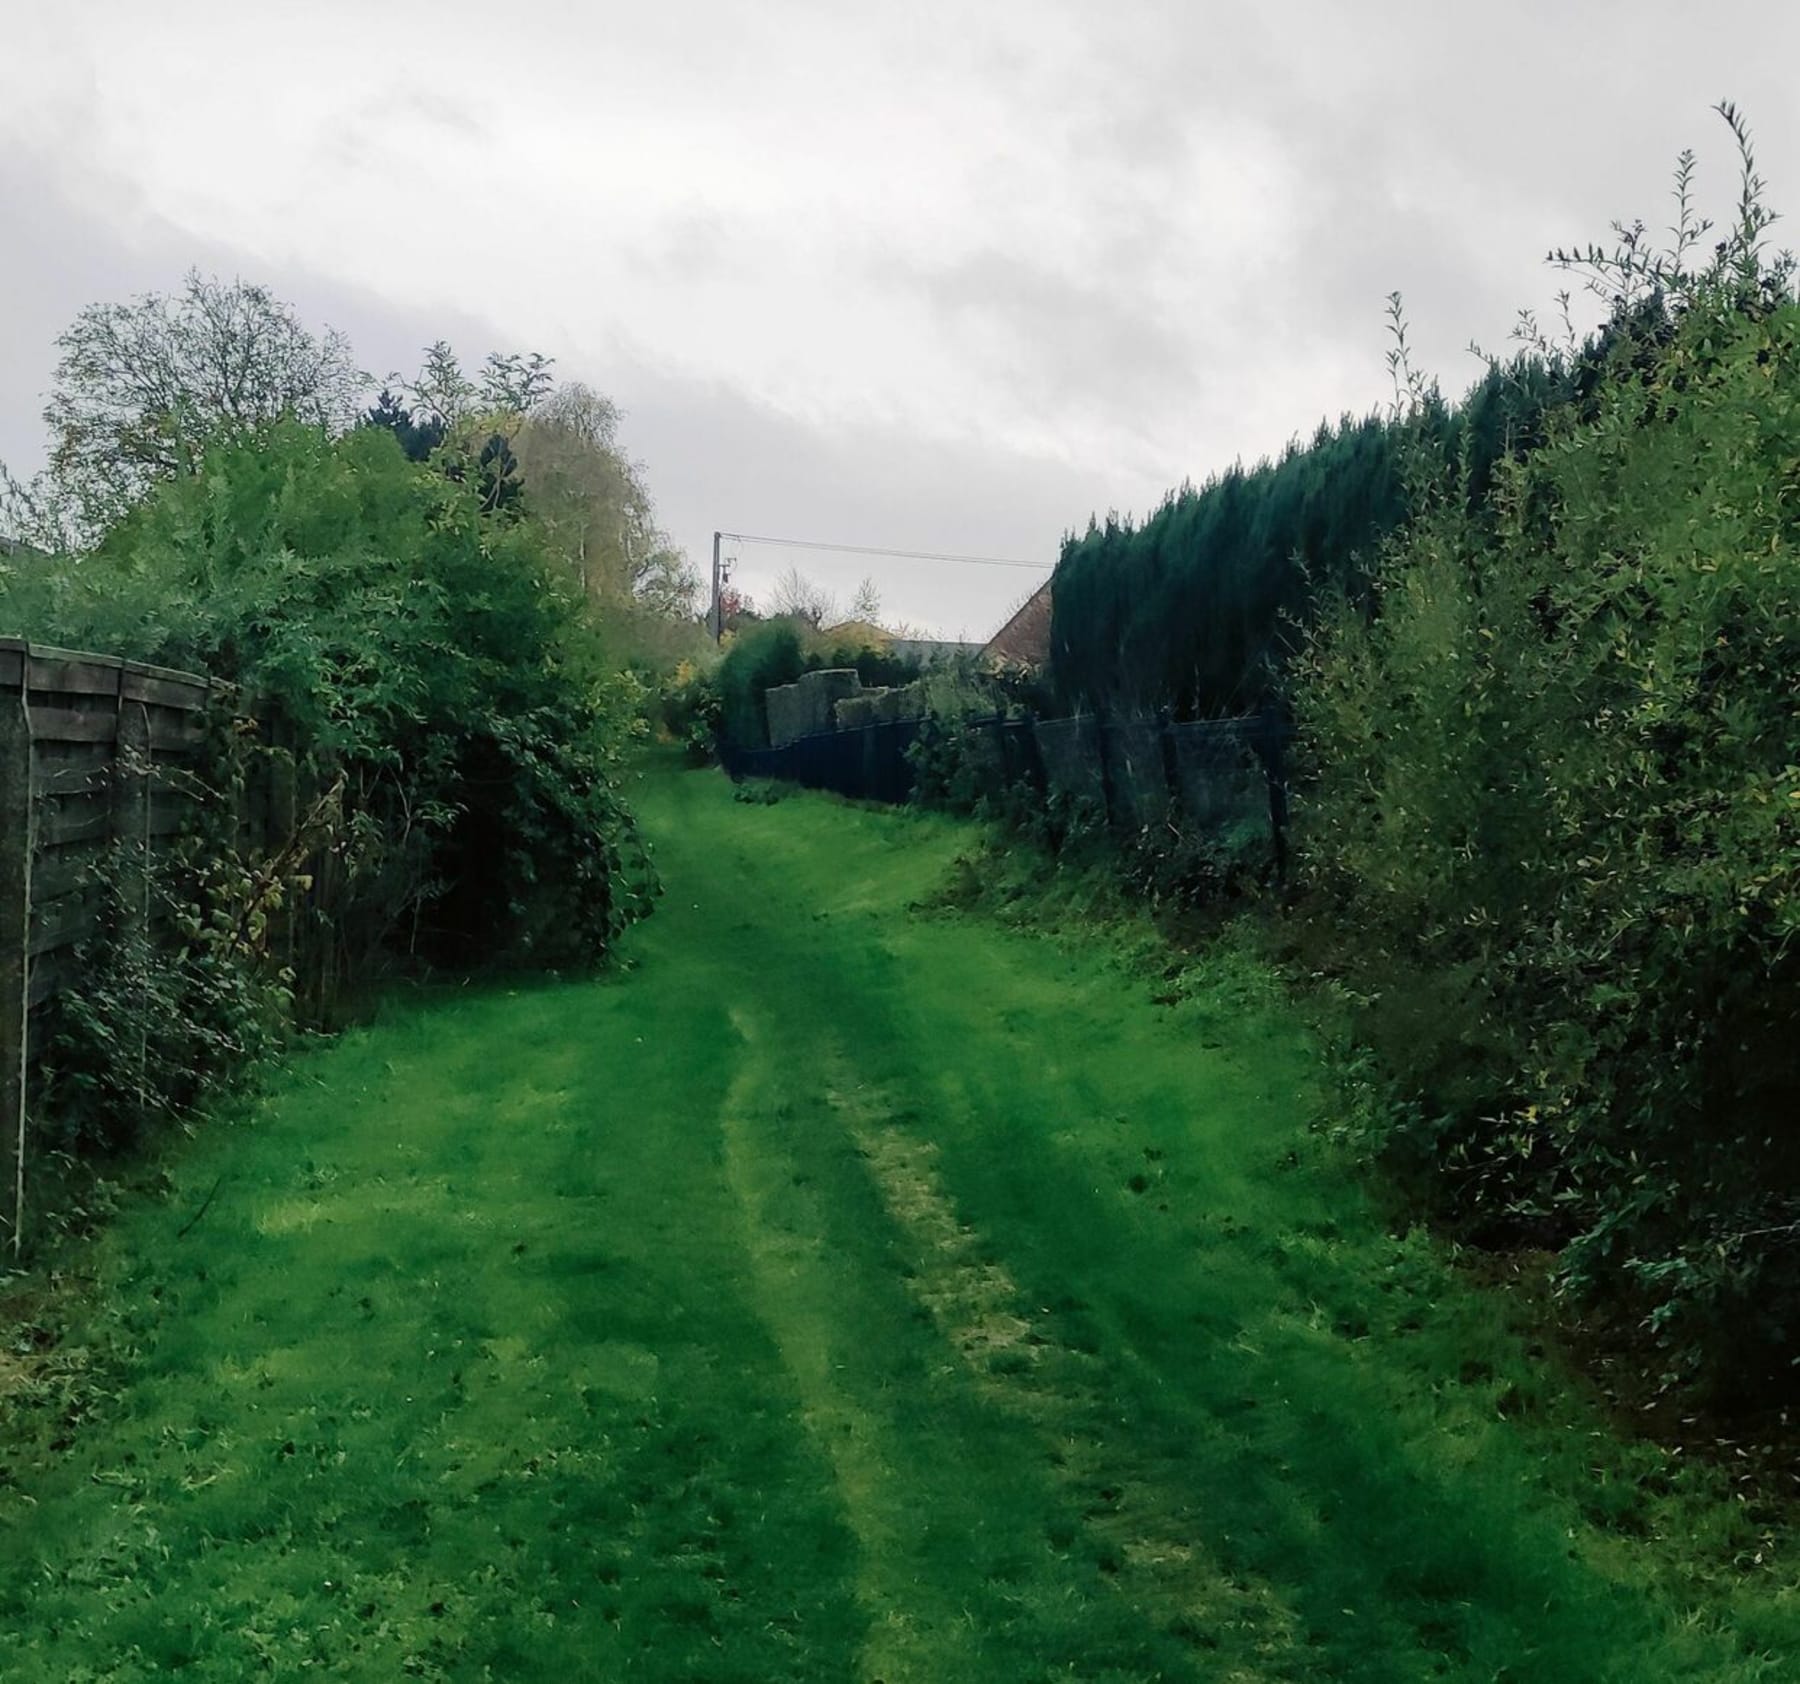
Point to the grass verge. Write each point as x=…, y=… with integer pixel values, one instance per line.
x=857, y=1287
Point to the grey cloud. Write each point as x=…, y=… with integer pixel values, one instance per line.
x=691, y=240
x=714, y=454
x=1090, y=327
x=441, y=112
x=1064, y=195
x=718, y=458
x=1061, y=342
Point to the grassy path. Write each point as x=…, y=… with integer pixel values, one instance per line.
x=843, y=1293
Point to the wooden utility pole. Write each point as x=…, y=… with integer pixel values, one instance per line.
x=718, y=602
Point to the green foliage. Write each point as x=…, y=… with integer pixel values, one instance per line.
x=952, y=769
x=1195, y=608
x=176, y=1002
x=428, y=655
x=759, y=658
x=1557, y=798
x=692, y=711
x=761, y=792
x=954, y=763
x=1182, y=866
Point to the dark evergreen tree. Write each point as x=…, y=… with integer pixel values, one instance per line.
x=419, y=435
x=1196, y=608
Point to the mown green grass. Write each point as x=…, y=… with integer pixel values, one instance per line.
x=853, y=1289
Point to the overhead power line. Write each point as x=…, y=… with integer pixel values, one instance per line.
x=876, y=549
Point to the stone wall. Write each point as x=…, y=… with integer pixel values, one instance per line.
x=805, y=708
x=879, y=707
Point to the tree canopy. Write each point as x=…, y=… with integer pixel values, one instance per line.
x=141, y=389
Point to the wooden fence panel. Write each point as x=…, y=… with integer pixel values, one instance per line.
x=94, y=751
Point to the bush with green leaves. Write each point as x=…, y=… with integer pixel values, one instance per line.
x=759, y=658
x=691, y=711
x=1554, y=813
x=955, y=763
x=431, y=659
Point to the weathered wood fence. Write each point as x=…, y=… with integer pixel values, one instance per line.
x=94, y=752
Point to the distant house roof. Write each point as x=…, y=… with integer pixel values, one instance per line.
x=1024, y=641
x=931, y=651
x=865, y=632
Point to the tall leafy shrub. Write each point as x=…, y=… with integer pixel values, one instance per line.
x=428, y=656
x=761, y=656
x=1556, y=806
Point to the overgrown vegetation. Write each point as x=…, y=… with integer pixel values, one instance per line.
x=179, y=999
x=1557, y=798
x=1541, y=646
x=428, y=609
x=956, y=764
x=426, y=654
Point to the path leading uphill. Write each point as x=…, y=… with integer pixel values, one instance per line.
x=845, y=1291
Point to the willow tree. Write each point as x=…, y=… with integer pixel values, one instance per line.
x=591, y=501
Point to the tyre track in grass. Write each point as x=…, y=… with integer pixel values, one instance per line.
x=1283, y=1433
x=844, y=1290
x=914, y=1631
x=963, y=1522
x=1132, y=1515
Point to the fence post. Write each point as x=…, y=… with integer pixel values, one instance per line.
x=131, y=844
x=1171, y=766
x=19, y=810
x=1271, y=734
x=1108, y=796
x=131, y=808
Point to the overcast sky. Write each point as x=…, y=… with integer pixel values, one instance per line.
x=937, y=276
